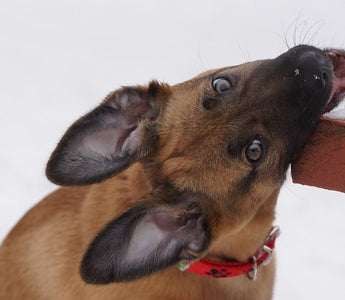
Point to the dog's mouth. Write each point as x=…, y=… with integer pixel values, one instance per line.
x=337, y=57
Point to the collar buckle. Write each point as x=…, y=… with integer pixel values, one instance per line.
x=274, y=233
x=270, y=252
x=253, y=272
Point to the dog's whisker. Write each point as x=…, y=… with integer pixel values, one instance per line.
x=201, y=60
x=309, y=31
x=294, y=36
x=302, y=33
x=244, y=53
x=315, y=34
x=298, y=24
x=284, y=36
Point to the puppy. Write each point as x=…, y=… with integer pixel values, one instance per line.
x=163, y=176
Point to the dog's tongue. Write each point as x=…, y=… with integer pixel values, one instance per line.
x=338, y=59
x=338, y=87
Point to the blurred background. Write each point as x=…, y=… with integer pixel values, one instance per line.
x=58, y=59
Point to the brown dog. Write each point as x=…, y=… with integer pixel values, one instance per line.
x=198, y=170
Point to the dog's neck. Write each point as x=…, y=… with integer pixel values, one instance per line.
x=238, y=246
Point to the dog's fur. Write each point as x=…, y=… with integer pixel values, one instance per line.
x=166, y=179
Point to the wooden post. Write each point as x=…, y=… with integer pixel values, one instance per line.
x=322, y=161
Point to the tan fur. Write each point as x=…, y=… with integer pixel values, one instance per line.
x=47, y=245
x=40, y=257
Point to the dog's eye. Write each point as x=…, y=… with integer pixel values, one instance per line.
x=254, y=151
x=221, y=85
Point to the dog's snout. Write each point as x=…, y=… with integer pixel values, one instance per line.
x=312, y=71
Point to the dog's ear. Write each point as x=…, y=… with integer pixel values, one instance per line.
x=111, y=137
x=146, y=238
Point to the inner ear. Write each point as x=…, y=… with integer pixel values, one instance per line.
x=147, y=238
x=109, y=138
x=158, y=232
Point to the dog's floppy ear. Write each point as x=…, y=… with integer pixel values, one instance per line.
x=146, y=238
x=111, y=137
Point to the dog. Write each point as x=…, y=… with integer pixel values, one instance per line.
x=162, y=178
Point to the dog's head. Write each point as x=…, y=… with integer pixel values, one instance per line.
x=213, y=150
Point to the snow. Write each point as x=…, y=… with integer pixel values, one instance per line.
x=59, y=59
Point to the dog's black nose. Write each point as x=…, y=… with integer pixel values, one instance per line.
x=312, y=71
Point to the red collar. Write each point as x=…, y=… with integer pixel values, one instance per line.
x=216, y=269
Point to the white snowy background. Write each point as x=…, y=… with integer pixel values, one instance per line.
x=58, y=59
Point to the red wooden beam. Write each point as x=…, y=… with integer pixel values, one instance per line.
x=322, y=161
